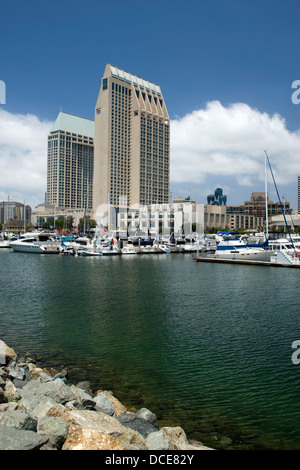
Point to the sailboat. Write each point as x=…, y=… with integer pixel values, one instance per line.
x=284, y=256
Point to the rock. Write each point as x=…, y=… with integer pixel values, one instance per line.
x=55, y=428
x=139, y=425
x=13, y=405
x=83, y=397
x=40, y=410
x=16, y=439
x=148, y=416
x=89, y=439
x=6, y=353
x=104, y=404
x=11, y=393
x=108, y=402
x=105, y=424
x=178, y=440
x=37, y=405
x=86, y=386
x=225, y=441
x=157, y=441
x=18, y=419
x=57, y=390
x=62, y=377
x=16, y=372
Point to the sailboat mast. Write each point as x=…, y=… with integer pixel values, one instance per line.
x=266, y=198
x=282, y=210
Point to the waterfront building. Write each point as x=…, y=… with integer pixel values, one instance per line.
x=298, y=194
x=15, y=215
x=70, y=162
x=252, y=214
x=51, y=212
x=181, y=218
x=132, y=132
x=278, y=222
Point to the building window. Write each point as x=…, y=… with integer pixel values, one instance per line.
x=104, y=84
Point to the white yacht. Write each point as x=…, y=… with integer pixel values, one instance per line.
x=286, y=245
x=236, y=249
x=128, y=250
x=28, y=245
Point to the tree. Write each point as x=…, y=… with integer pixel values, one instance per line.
x=59, y=224
x=70, y=222
x=89, y=223
x=92, y=223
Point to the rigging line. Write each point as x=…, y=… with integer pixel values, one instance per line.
x=282, y=210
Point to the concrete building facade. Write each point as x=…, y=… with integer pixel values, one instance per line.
x=132, y=148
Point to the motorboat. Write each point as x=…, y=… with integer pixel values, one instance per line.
x=28, y=245
x=128, y=250
x=91, y=253
x=110, y=251
x=236, y=249
x=147, y=250
x=286, y=245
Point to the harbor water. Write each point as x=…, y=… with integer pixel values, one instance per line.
x=205, y=346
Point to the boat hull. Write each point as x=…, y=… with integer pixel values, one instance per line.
x=240, y=256
x=27, y=248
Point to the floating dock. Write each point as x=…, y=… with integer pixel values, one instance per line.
x=249, y=262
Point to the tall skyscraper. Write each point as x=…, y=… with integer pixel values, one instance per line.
x=298, y=194
x=70, y=162
x=132, y=142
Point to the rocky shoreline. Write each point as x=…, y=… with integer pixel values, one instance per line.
x=40, y=410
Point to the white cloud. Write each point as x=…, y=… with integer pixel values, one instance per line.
x=213, y=147
x=23, y=157
x=230, y=141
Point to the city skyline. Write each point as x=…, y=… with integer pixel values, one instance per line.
x=226, y=71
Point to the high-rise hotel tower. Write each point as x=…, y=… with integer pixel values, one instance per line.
x=70, y=162
x=131, y=143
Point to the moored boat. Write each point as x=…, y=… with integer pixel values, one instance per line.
x=236, y=249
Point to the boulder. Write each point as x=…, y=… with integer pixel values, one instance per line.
x=37, y=405
x=11, y=393
x=82, y=397
x=6, y=353
x=140, y=425
x=56, y=389
x=157, y=441
x=105, y=424
x=89, y=439
x=19, y=420
x=178, y=441
x=110, y=405
x=148, y=416
x=16, y=439
x=56, y=429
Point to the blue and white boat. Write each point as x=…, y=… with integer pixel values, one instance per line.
x=236, y=249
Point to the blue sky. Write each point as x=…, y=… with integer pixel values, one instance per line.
x=53, y=55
